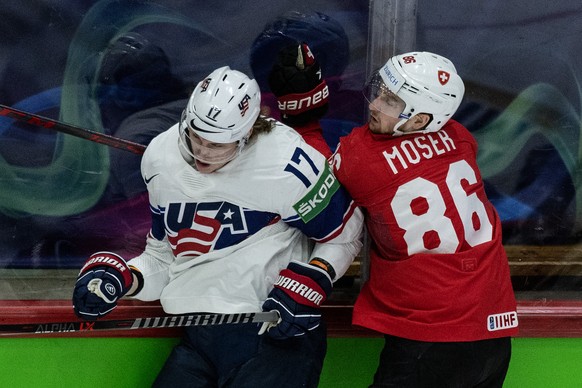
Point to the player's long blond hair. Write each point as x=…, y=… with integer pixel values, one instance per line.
x=262, y=125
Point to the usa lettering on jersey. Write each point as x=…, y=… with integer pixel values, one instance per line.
x=197, y=228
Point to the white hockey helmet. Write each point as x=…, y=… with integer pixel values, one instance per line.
x=222, y=109
x=426, y=82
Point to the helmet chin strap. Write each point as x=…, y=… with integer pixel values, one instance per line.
x=396, y=130
x=244, y=141
x=187, y=152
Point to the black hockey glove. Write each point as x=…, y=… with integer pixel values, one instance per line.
x=297, y=296
x=104, y=279
x=295, y=79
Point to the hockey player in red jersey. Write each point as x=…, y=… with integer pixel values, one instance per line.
x=439, y=285
x=246, y=216
x=302, y=94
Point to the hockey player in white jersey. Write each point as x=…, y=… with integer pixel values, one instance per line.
x=245, y=217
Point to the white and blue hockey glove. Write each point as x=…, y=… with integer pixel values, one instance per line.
x=297, y=295
x=104, y=279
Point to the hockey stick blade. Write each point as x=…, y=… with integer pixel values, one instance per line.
x=97, y=137
x=164, y=322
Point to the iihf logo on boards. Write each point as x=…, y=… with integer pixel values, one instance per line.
x=502, y=321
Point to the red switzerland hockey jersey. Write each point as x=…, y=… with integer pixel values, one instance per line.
x=438, y=270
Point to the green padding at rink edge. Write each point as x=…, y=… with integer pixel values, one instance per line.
x=350, y=363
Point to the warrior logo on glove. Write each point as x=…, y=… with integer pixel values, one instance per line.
x=303, y=290
x=297, y=295
x=104, y=279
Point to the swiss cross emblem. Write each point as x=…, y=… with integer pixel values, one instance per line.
x=443, y=77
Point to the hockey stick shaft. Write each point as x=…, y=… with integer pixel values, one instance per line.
x=97, y=137
x=170, y=321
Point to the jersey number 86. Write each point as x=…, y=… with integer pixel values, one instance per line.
x=472, y=213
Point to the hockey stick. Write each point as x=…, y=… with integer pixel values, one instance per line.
x=97, y=137
x=181, y=320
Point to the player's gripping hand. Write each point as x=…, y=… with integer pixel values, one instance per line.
x=104, y=279
x=297, y=295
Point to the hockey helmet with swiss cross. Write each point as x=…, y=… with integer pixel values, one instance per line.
x=426, y=82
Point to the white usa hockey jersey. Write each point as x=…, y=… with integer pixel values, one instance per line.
x=219, y=240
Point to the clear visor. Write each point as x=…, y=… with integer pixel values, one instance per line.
x=383, y=99
x=210, y=153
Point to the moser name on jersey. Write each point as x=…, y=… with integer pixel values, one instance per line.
x=502, y=321
x=318, y=198
x=299, y=288
x=412, y=151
